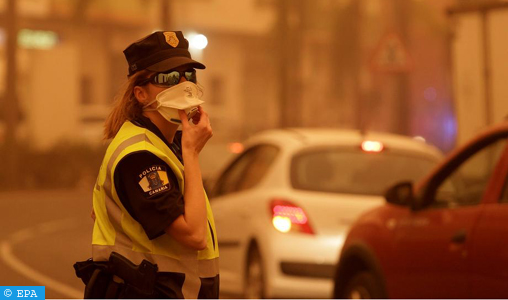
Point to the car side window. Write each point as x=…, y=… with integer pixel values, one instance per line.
x=246, y=171
x=467, y=183
x=229, y=179
x=504, y=196
x=504, y=193
x=263, y=159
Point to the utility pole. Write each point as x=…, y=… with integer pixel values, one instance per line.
x=345, y=64
x=289, y=44
x=403, y=112
x=487, y=73
x=10, y=102
x=283, y=44
x=165, y=18
x=10, y=105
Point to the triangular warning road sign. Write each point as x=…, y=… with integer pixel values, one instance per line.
x=391, y=55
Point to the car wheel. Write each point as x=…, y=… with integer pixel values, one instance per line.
x=364, y=285
x=254, y=287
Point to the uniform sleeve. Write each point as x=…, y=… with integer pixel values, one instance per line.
x=149, y=191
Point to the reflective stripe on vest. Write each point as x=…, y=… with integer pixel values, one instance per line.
x=115, y=230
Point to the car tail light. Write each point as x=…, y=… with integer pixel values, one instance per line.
x=372, y=146
x=287, y=216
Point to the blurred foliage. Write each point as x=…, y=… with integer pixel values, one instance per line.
x=66, y=165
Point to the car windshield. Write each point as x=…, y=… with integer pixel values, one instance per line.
x=356, y=172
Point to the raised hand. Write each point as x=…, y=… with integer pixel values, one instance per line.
x=194, y=137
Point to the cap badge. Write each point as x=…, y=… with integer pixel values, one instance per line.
x=171, y=39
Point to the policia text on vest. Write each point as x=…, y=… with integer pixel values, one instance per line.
x=120, y=243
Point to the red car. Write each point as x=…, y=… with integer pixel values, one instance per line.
x=443, y=237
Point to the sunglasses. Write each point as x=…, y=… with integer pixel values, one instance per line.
x=170, y=78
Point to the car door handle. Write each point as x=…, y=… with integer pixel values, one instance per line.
x=459, y=237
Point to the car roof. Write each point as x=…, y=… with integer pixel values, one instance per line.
x=307, y=137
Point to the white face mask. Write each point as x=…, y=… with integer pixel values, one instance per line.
x=185, y=96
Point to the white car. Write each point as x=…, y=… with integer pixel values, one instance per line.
x=283, y=207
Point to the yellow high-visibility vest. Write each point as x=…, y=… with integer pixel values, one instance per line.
x=115, y=230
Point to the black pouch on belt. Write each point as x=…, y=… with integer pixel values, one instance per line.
x=85, y=269
x=96, y=278
x=116, y=277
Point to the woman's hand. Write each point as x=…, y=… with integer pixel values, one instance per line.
x=190, y=229
x=195, y=137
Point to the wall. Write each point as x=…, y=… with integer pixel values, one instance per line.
x=480, y=100
x=52, y=104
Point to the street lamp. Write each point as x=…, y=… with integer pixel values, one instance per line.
x=198, y=41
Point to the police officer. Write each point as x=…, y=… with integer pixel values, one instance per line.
x=147, y=209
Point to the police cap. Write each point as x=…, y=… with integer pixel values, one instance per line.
x=160, y=51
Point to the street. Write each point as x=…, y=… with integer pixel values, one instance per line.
x=348, y=149
x=42, y=234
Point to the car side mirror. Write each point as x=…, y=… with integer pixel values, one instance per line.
x=400, y=194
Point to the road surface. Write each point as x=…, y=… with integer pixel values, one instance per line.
x=42, y=234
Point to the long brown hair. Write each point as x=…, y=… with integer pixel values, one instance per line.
x=126, y=106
